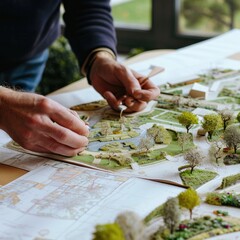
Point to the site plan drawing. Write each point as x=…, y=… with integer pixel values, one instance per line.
x=189, y=138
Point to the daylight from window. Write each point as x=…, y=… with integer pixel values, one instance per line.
x=207, y=17
x=132, y=13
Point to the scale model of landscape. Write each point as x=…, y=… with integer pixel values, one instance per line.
x=193, y=125
x=200, y=129
x=189, y=136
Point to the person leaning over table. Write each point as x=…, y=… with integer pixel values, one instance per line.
x=27, y=29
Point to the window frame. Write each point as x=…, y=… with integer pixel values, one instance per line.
x=163, y=33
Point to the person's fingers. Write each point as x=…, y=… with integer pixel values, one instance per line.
x=69, y=120
x=112, y=100
x=129, y=81
x=133, y=105
x=136, y=106
x=146, y=95
x=74, y=113
x=60, y=134
x=148, y=92
x=56, y=148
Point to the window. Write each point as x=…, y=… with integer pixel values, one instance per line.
x=157, y=24
x=207, y=17
x=134, y=14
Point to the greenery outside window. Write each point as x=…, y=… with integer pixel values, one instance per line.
x=207, y=17
x=159, y=24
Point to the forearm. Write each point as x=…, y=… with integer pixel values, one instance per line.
x=5, y=95
x=89, y=25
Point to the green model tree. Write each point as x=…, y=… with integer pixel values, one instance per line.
x=189, y=199
x=211, y=123
x=171, y=214
x=232, y=137
x=221, y=13
x=110, y=231
x=188, y=119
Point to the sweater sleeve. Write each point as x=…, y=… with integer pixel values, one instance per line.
x=89, y=25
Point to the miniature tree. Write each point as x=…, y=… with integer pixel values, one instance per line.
x=171, y=214
x=188, y=119
x=227, y=116
x=131, y=225
x=194, y=157
x=189, y=199
x=232, y=137
x=159, y=134
x=184, y=139
x=145, y=144
x=211, y=122
x=105, y=129
x=110, y=231
x=238, y=117
x=216, y=152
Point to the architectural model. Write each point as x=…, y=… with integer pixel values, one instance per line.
x=188, y=137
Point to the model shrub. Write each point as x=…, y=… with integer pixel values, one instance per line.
x=110, y=231
x=230, y=180
x=226, y=199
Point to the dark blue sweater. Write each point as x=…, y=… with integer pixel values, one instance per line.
x=27, y=27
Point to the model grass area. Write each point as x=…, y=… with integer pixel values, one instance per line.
x=149, y=157
x=201, y=228
x=174, y=148
x=169, y=116
x=197, y=178
x=156, y=213
x=225, y=100
x=116, y=155
x=223, y=199
x=229, y=181
x=231, y=94
x=117, y=134
x=86, y=158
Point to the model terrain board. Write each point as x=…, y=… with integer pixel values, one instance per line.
x=196, y=121
x=190, y=135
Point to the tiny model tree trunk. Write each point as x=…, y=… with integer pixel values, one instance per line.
x=216, y=152
x=232, y=137
x=227, y=116
x=189, y=199
x=211, y=123
x=188, y=119
x=194, y=157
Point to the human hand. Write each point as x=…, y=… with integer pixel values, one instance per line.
x=118, y=84
x=40, y=124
